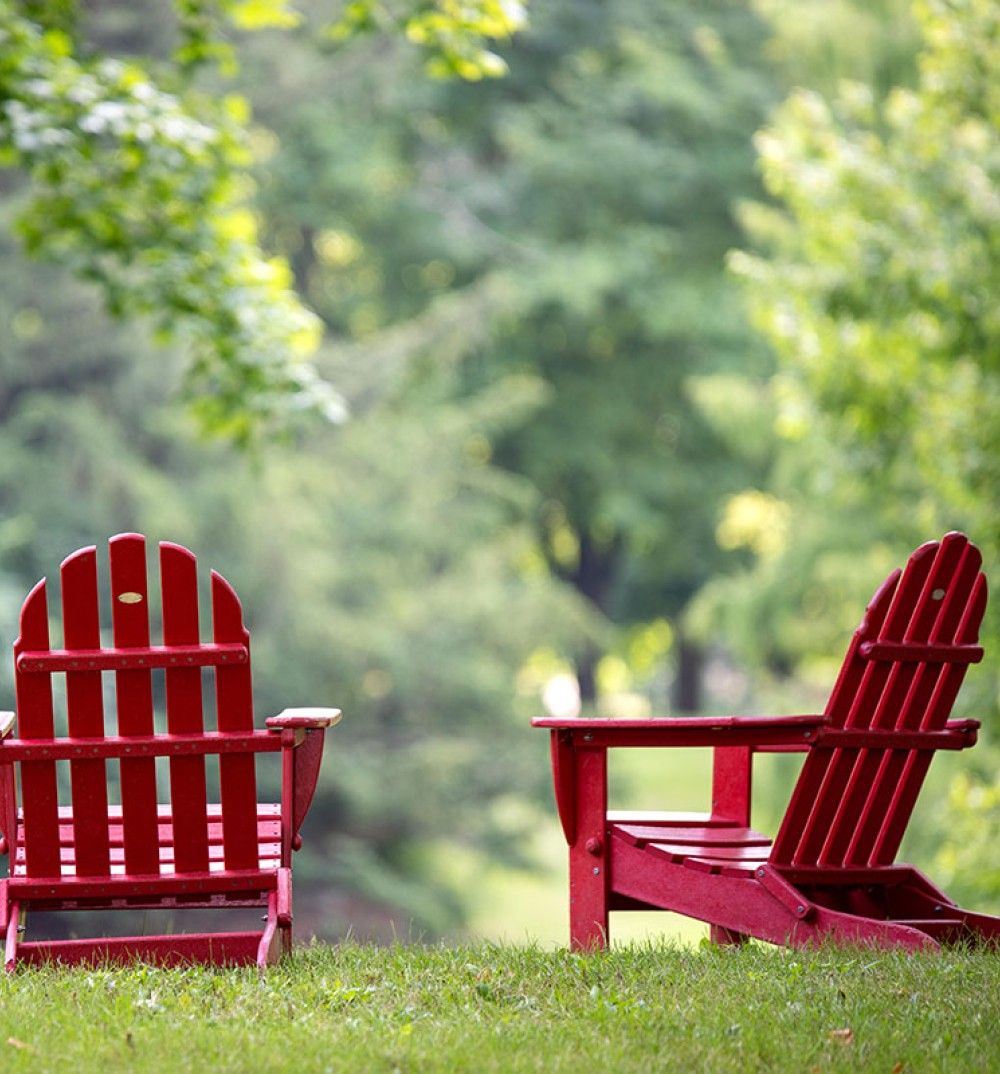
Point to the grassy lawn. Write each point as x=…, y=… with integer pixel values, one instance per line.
x=486, y=1007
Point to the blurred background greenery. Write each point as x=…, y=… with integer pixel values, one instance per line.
x=602, y=356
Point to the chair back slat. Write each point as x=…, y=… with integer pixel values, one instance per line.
x=85, y=712
x=912, y=765
x=877, y=680
x=234, y=709
x=188, y=795
x=134, y=693
x=855, y=675
x=851, y=805
x=39, y=793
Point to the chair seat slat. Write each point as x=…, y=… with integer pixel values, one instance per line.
x=701, y=837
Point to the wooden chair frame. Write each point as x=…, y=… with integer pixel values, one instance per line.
x=88, y=855
x=830, y=871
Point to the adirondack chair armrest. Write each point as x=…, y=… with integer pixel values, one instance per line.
x=691, y=731
x=963, y=725
x=7, y=721
x=303, y=719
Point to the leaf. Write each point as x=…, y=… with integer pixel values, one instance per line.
x=259, y=14
x=842, y=1036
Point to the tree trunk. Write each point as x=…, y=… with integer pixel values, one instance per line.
x=687, y=693
x=586, y=676
x=593, y=577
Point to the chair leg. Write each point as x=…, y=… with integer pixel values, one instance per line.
x=266, y=953
x=588, y=904
x=985, y=926
x=284, y=941
x=588, y=852
x=276, y=939
x=10, y=946
x=284, y=894
x=726, y=937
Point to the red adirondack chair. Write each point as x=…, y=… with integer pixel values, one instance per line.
x=830, y=870
x=69, y=847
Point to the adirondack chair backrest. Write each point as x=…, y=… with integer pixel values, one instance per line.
x=128, y=841
x=902, y=672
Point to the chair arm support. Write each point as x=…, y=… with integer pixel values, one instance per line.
x=579, y=746
x=302, y=741
x=684, y=731
x=303, y=719
x=956, y=735
x=8, y=794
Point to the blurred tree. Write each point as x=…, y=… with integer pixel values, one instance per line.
x=812, y=538
x=820, y=43
x=385, y=569
x=877, y=291
x=382, y=568
x=619, y=143
x=567, y=223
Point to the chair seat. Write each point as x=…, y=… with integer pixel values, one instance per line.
x=733, y=848
x=268, y=840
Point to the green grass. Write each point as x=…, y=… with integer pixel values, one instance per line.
x=496, y=1008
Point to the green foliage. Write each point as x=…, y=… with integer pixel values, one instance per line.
x=967, y=858
x=879, y=288
x=819, y=43
x=494, y=1008
x=139, y=190
x=617, y=176
x=138, y=182
x=874, y=290
x=451, y=32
